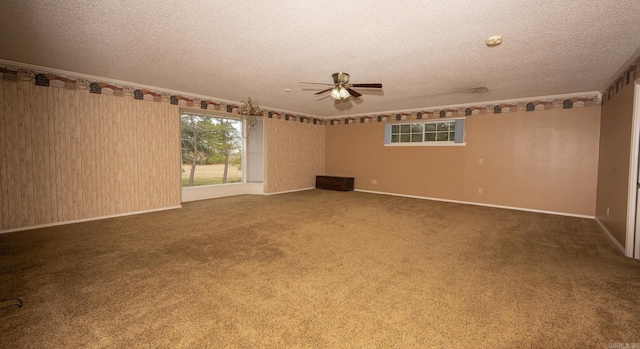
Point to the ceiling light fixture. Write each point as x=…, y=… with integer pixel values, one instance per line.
x=342, y=89
x=493, y=41
x=250, y=111
x=339, y=92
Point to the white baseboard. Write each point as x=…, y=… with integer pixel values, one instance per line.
x=87, y=219
x=290, y=191
x=480, y=204
x=615, y=241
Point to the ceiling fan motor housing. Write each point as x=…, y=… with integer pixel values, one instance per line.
x=340, y=78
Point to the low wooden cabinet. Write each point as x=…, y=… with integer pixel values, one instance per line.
x=335, y=183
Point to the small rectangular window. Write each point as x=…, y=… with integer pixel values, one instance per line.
x=426, y=133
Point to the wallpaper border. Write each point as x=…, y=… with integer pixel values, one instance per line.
x=628, y=76
x=534, y=104
x=48, y=79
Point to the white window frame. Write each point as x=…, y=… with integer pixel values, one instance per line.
x=219, y=115
x=458, y=141
x=213, y=191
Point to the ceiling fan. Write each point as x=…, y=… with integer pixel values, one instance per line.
x=341, y=88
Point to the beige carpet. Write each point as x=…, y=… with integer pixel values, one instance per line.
x=320, y=269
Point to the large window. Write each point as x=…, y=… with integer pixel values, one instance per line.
x=450, y=132
x=211, y=150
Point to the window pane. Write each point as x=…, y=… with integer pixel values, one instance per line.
x=443, y=136
x=395, y=138
x=211, y=150
x=405, y=138
x=395, y=129
x=405, y=128
x=430, y=127
x=452, y=136
x=416, y=137
x=416, y=128
x=429, y=137
x=444, y=126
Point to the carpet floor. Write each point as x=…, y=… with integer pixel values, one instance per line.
x=320, y=269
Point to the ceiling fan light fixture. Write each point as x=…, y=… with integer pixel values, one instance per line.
x=341, y=88
x=340, y=92
x=344, y=94
x=335, y=93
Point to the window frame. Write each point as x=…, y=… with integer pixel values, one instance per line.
x=459, y=133
x=243, y=145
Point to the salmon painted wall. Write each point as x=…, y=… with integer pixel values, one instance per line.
x=543, y=160
x=615, y=152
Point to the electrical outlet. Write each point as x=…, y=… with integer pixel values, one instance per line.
x=607, y=211
x=479, y=190
x=374, y=181
x=482, y=161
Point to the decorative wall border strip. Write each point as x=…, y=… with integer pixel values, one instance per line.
x=48, y=79
x=628, y=76
x=568, y=102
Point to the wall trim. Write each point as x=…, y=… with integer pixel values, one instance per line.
x=290, y=191
x=625, y=76
x=481, y=204
x=530, y=104
x=587, y=97
x=57, y=78
x=620, y=247
x=88, y=219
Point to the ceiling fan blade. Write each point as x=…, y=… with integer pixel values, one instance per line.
x=354, y=93
x=367, y=85
x=315, y=83
x=323, y=91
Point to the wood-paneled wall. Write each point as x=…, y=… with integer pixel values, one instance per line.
x=68, y=154
x=294, y=155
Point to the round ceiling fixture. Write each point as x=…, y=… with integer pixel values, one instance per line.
x=494, y=40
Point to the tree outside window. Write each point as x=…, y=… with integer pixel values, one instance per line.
x=211, y=150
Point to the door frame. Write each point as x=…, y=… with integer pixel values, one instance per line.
x=632, y=241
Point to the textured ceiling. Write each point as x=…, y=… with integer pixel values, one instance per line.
x=425, y=53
